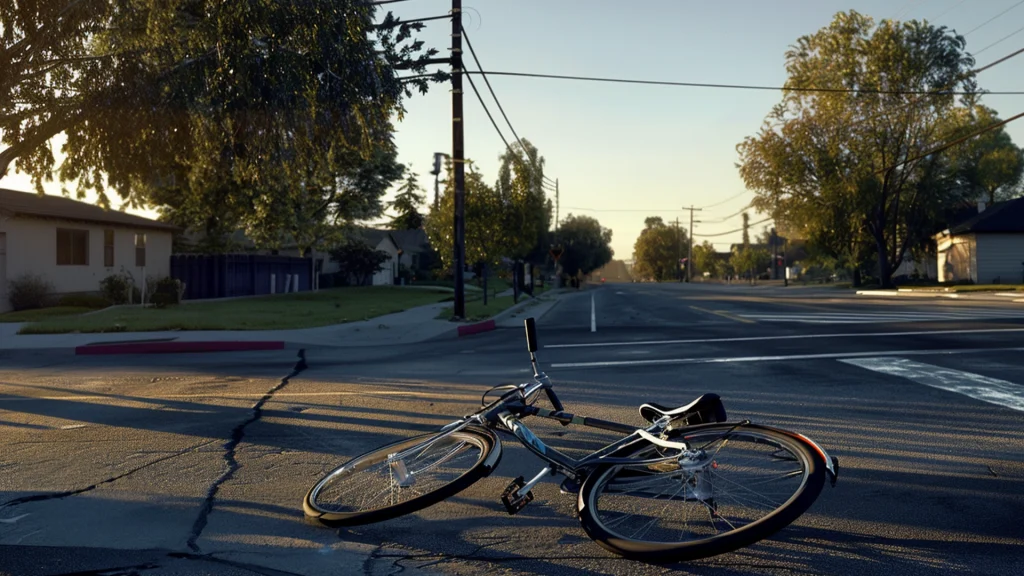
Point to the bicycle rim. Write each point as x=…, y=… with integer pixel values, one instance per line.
x=750, y=483
x=377, y=485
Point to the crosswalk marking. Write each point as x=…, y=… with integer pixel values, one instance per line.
x=984, y=388
x=883, y=317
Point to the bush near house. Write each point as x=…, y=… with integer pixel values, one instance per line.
x=28, y=292
x=115, y=288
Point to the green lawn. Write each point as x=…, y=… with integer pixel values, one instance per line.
x=285, y=311
x=40, y=314
x=475, y=309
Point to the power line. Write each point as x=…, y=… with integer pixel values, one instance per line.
x=950, y=9
x=960, y=140
x=729, y=199
x=1007, y=37
x=625, y=210
x=493, y=123
x=986, y=22
x=731, y=231
x=498, y=102
x=733, y=215
x=739, y=86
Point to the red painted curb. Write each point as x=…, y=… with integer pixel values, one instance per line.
x=477, y=328
x=175, y=347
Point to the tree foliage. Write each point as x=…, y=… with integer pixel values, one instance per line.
x=484, y=225
x=657, y=250
x=586, y=244
x=826, y=162
x=266, y=116
x=526, y=213
x=406, y=203
x=989, y=166
x=358, y=261
x=705, y=259
x=749, y=262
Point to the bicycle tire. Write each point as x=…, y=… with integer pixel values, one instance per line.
x=489, y=455
x=812, y=480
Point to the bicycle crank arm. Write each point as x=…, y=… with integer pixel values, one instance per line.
x=520, y=493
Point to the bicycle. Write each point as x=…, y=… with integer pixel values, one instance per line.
x=685, y=487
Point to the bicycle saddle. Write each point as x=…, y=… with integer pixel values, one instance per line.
x=706, y=408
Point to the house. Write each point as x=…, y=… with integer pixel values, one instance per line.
x=405, y=248
x=75, y=245
x=987, y=248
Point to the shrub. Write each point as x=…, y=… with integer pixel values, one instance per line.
x=163, y=300
x=115, y=289
x=84, y=301
x=169, y=289
x=28, y=291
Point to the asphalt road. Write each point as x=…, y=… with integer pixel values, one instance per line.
x=156, y=465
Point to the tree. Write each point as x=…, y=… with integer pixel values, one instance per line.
x=657, y=250
x=406, y=203
x=257, y=115
x=747, y=261
x=705, y=259
x=854, y=161
x=585, y=243
x=526, y=213
x=359, y=262
x=485, y=234
x=989, y=165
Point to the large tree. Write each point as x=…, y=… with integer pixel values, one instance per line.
x=526, y=213
x=586, y=244
x=235, y=114
x=853, y=162
x=658, y=249
x=989, y=166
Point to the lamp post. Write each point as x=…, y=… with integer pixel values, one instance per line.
x=436, y=172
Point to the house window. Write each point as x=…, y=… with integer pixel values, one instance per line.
x=140, y=250
x=108, y=248
x=72, y=247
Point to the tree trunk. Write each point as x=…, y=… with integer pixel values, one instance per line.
x=857, y=282
x=884, y=270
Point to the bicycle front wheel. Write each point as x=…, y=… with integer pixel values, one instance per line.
x=402, y=477
x=738, y=485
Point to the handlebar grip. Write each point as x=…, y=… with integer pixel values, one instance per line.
x=554, y=400
x=531, y=334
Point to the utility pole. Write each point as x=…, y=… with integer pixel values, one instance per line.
x=459, y=162
x=556, y=204
x=679, y=251
x=689, y=257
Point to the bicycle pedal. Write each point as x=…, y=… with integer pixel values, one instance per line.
x=512, y=502
x=569, y=486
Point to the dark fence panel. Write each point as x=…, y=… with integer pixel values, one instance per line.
x=230, y=275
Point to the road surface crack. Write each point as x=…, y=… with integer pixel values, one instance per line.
x=231, y=465
x=59, y=495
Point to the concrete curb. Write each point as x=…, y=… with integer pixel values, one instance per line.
x=175, y=347
x=492, y=323
x=470, y=329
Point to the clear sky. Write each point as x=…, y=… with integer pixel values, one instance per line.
x=625, y=152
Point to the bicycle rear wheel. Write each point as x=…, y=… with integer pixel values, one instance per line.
x=377, y=486
x=741, y=485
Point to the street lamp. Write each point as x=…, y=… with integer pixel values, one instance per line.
x=436, y=172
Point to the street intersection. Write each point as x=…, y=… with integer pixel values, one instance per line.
x=182, y=464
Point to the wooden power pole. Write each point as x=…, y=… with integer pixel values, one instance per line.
x=689, y=256
x=459, y=162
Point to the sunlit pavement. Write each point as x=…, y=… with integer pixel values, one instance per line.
x=198, y=464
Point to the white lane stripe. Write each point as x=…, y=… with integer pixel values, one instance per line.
x=593, y=314
x=888, y=315
x=739, y=359
x=984, y=388
x=789, y=337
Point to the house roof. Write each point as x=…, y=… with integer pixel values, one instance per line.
x=411, y=241
x=1005, y=217
x=50, y=206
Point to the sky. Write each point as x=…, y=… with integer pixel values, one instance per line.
x=622, y=152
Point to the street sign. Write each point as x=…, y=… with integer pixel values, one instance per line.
x=556, y=253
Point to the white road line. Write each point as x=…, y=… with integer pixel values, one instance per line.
x=789, y=337
x=741, y=359
x=991, y=390
x=593, y=314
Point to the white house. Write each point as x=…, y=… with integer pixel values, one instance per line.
x=985, y=249
x=382, y=240
x=75, y=245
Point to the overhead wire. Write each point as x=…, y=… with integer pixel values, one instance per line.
x=948, y=10
x=729, y=199
x=501, y=109
x=960, y=140
x=732, y=231
x=990, y=20
x=1004, y=38
x=738, y=86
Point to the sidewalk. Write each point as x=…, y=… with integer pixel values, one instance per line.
x=407, y=327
